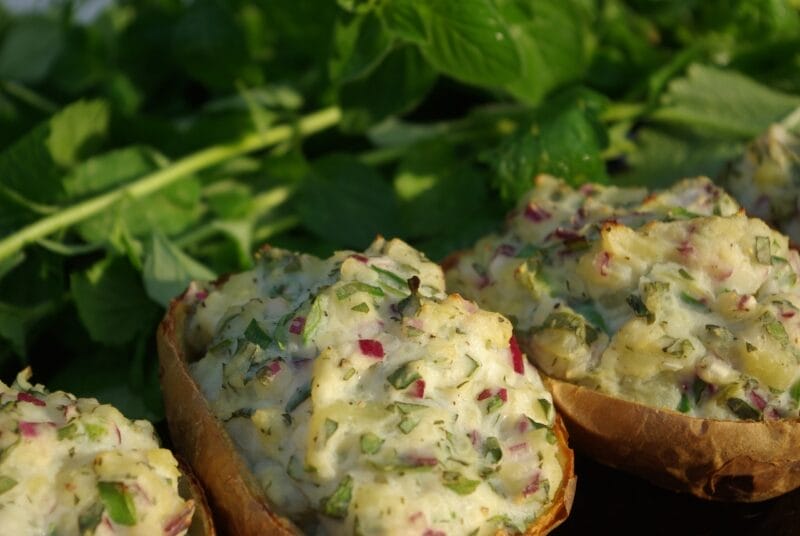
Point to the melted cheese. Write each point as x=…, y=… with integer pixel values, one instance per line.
x=676, y=300
x=367, y=402
x=71, y=466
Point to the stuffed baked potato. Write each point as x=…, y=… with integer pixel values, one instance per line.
x=669, y=325
x=351, y=395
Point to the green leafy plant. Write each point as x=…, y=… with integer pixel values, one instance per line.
x=157, y=142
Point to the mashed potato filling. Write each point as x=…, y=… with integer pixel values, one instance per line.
x=366, y=401
x=72, y=466
x=675, y=300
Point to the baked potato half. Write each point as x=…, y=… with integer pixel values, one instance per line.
x=237, y=494
x=667, y=324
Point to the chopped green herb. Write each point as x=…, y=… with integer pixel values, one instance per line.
x=536, y=425
x=68, y=431
x=550, y=436
x=6, y=483
x=408, y=423
x=118, y=502
x=743, y=410
x=393, y=282
x=330, y=428
x=404, y=375
x=655, y=287
x=94, y=431
x=749, y=347
x=348, y=289
x=763, y=251
x=684, y=274
x=680, y=213
x=794, y=392
x=684, y=406
x=294, y=468
x=337, y=504
x=691, y=300
x=698, y=388
x=370, y=443
x=570, y=322
x=314, y=317
x=546, y=405
x=256, y=335
x=774, y=328
x=89, y=518
x=492, y=450
x=299, y=396
x=360, y=308
x=639, y=308
x=679, y=348
x=349, y=373
x=457, y=482
x=495, y=402
x=473, y=366
x=407, y=407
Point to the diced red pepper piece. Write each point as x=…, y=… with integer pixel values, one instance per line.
x=516, y=356
x=418, y=389
x=27, y=397
x=360, y=258
x=180, y=522
x=483, y=395
x=371, y=348
x=297, y=325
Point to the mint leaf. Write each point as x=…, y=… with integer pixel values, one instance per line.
x=346, y=202
x=723, y=103
x=395, y=86
x=552, y=39
x=111, y=301
x=359, y=45
x=102, y=172
x=168, y=270
x=76, y=130
x=565, y=138
x=209, y=45
x=468, y=40
x=29, y=49
x=338, y=503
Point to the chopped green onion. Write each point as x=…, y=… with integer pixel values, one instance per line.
x=118, y=502
x=774, y=328
x=404, y=375
x=794, y=392
x=684, y=406
x=691, y=300
x=348, y=289
x=89, y=518
x=6, y=483
x=337, y=504
x=457, y=482
x=360, y=308
x=408, y=423
x=492, y=450
x=370, y=443
x=394, y=282
x=95, y=431
x=743, y=410
x=763, y=251
x=639, y=308
x=314, y=317
x=299, y=396
x=256, y=335
x=68, y=431
x=330, y=428
x=684, y=274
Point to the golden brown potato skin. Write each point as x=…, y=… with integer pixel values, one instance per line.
x=238, y=503
x=746, y=461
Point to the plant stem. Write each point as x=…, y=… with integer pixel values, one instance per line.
x=164, y=177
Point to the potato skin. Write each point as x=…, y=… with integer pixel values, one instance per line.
x=238, y=503
x=746, y=461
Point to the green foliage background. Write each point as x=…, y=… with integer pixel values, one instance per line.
x=436, y=115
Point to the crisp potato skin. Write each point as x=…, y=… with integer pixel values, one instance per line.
x=239, y=505
x=746, y=461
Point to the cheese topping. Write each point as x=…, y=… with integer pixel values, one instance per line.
x=72, y=466
x=365, y=401
x=676, y=300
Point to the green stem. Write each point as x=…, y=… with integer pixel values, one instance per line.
x=275, y=227
x=29, y=97
x=164, y=177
